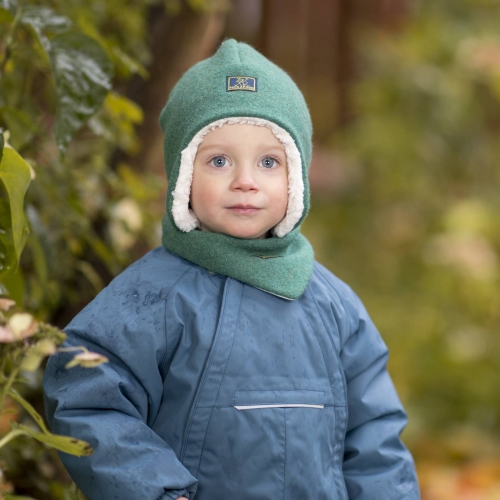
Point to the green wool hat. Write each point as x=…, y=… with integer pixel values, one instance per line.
x=239, y=85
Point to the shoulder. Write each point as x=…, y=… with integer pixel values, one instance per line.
x=159, y=277
x=143, y=285
x=159, y=270
x=135, y=301
x=331, y=281
x=338, y=298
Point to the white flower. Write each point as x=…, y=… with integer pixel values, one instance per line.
x=19, y=326
x=87, y=360
x=126, y=222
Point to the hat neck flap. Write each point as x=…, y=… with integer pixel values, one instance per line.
x=280, y=266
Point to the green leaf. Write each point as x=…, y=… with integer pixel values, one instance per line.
x=10, y=5
x=8, y=260
x=7, y=10
x=2, y=142
x=13, y=283
x=42, y=20
x=5, y=16
x=27, y=406
x=66, y=444
x=19, y=124
x=132, y=65
x=83, y=75
x=116, y=122
x=15, y=176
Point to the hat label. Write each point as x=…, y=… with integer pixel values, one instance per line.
x=241, y=83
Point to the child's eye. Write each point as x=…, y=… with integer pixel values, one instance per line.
x=218, y=161
x=267, y=162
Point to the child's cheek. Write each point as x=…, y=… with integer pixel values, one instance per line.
x=205, y=197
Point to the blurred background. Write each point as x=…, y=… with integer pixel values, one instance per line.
x=405, y=179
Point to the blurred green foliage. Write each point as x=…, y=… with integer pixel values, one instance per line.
x=57, y=61
x=75, y=213
x=414, y=222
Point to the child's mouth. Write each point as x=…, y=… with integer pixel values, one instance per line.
x=244, y=209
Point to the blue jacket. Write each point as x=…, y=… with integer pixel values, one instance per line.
x=219, y=391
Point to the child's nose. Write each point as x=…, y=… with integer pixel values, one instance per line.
x=244, y=179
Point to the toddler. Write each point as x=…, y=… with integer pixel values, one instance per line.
x=239, y=368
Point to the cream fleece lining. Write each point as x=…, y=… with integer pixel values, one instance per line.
x=186, y=220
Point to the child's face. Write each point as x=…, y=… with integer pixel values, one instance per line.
x=240, y=181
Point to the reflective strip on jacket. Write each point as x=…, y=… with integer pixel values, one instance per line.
x=216, y=390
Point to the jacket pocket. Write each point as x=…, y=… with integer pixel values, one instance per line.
x=258, y=400
x=270, y=444
x=308, y=435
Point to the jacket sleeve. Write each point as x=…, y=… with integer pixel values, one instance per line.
x=112, y=406
x=376, y=463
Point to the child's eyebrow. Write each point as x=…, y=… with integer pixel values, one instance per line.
x=210, y=146
x=275, y=148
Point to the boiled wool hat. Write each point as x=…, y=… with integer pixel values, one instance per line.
x=239, y=85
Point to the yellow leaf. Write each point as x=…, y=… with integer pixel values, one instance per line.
x=122, y=108
x=65, y=444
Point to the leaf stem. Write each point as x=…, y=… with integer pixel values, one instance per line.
x=8, y=384
x=10, y=436
x=32, y=412
x=72, y=349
